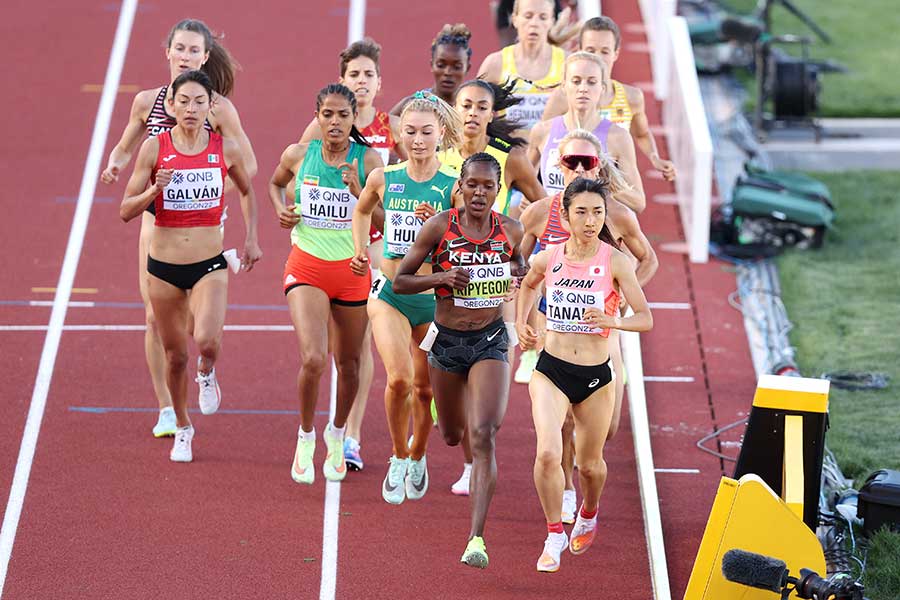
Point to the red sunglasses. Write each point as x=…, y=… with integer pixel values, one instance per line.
x=571, y=161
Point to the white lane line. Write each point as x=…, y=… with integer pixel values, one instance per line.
x=669, y=305
x=64, y=287
x=664, y=379
x=682, y=471
x=74, y=303
x=136, y=328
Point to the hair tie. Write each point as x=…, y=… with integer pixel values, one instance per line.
x=425, y=95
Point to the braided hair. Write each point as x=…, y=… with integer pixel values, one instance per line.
x=480, y=157
x=503, y=98
x=448, y=118
x=336, y=89
x=453, y=35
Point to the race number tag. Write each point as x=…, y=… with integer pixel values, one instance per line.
x=400, y=230
x=193, y=189
x=565, y=310
x=326, y=208
x=488, y=286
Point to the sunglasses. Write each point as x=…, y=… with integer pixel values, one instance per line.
x=571, y=161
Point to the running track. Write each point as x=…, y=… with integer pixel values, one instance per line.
x=107, y=516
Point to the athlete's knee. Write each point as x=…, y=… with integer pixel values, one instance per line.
x=453, y=436
x=177, y=360
x=314, y=363
x=422, y=392
x=208, y=346
x=592, y=469
x=400, y=386
x=348, y=367
x=483, y=438
x=548, y=458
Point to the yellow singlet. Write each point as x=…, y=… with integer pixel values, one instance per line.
x=497, y=148
x=619, y=110
x=534, y=94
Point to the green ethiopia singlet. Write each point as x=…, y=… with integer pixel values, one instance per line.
x=326, y=204
x=401, y=197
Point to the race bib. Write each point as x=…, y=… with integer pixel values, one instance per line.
x=193, y=189
x=488, y=286
x=400, y=230
x=565, y=310
x=529, y=111
x=326, y=208
x=554, y=178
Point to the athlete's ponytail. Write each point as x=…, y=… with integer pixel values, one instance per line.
x=503, y=98
x=337, y=89
x=583, y=185
x=219, y=65
x=448, y=118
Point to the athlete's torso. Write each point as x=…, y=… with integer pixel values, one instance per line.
x=534, y=94
x=378, y=133
x=619, y=110
x=551, y=176
x=554, y=232
x=572, y=288
x=497, y=148
x=402, y=195
x=194, y=196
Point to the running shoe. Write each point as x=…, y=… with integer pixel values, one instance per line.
x=334, y=468
x=461, y=487
x=416, y=479
x=393, y=490
x=583, y=534
x=527, y=362
x=210, y=394
x=475, y=554
x=351, y=454
x=165, y=425
x=553, y=548
x=181, y=449
x=569, y=506
x=434, y=413
x=302, y=470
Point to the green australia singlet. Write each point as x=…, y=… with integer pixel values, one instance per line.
x=326, y=205
x=401, y=197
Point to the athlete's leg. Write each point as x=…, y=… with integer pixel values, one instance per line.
x=310, y=309
x=548, y=409
x=170, y=305
x=208, y=301
x=568, y=450
x=392, y=334
x=488, y=392
x=366, y=374
x=592, y=417
x=421, y=395
x=615, y=353
x=153, y=348
x=450, y=398
x=351, y=324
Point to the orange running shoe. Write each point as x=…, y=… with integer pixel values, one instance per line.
x=582, y=534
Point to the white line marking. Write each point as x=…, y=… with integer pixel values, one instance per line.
x=663, y=379
x=137, y=328
x=669, y=305
x=64, y=287
x=684, y=471
x=76, y=304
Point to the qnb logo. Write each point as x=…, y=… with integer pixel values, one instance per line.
x=396, y=220
x=177, y=177
x=557, y=296
x=314, y=194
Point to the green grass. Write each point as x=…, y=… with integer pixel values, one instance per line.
x=865, y=35
x=844, y=301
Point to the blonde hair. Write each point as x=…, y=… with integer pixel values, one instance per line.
x=608, y=169
x=587, y=56
x=447, y=117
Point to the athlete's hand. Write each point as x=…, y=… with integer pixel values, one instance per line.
x=252, y=253
x=425, y=211
x=597, y=318
x=359, y=264
x=163, y=177
x=349, y=177
x=666, y=167
x=456, y=278
x=110, y=174
x=287, y=218
x=527, y=336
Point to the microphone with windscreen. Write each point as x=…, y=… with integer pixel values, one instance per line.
x=755, y=570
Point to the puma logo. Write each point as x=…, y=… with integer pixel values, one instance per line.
x=442, y=191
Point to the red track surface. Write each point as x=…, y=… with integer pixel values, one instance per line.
x=108, y=516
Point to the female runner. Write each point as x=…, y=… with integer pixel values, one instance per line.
x=329, y=175
x=585, y=80
x=410, y=192
x=622, y=104
x=451, y=59
x=532, y=60
x=183, y=172
x=583, y=277
x=190, y=46
x=474, y=254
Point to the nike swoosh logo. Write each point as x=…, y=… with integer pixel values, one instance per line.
x=421, y=485
x=492, y=336
x=457, y=243
x=297, y=467
x=388, y=487
x=555, y=239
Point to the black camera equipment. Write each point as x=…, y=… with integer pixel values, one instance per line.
x=767, y=573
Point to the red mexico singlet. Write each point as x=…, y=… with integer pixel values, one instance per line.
x=572, y=288
x=486, y=260
x=194, y=196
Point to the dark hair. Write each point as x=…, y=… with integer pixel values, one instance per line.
x=583, y=185
x=365, y=47
x=480, y=157
x=454, y=35
x=503, y=98
x=220, y=66
x=336, y=89
x=601, y=24
x=195, y=76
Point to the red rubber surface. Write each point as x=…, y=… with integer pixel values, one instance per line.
x=108, y=516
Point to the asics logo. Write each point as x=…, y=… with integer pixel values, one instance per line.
x=593, y=383
x=442, y=191
x=169, y=157
x=215, y=266
x=493, y=335
x=556, y=267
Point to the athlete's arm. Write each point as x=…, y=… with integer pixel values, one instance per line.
x=121, y=152
x=284, y=174
x=621, y=149
x=536, y=143
x=533, y=219
x=515, y=231
x=407, y=282
x=528, y=293
x=643, y=138
x=491, y=68
x=312, y=132
x=229, y=125
x=623, y=274
x=240, y=175
x=556, y=105
x=137, y=195
x=362, y=220
x=637, y=243
x=521, y=174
